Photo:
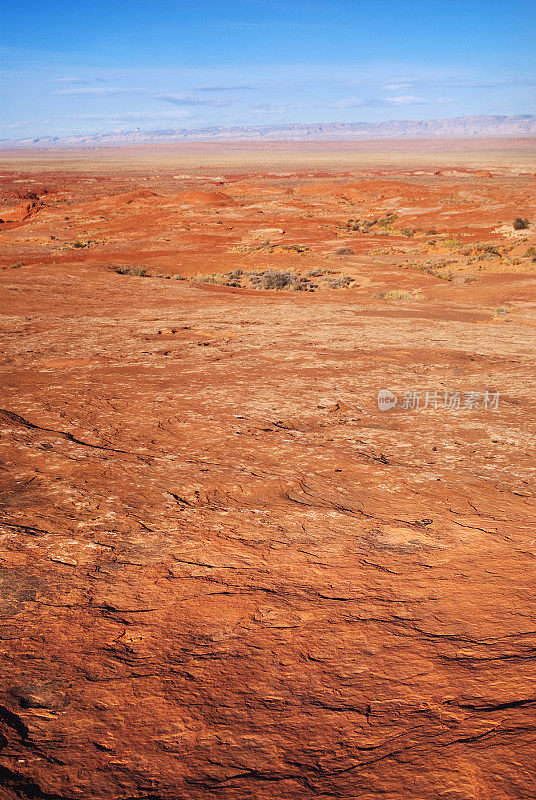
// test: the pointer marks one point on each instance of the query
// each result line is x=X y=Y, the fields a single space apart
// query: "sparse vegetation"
x=278 y=280
x=269 y=248
x=138 y=272
x=79 y=244
x=388 y=219
x=344 y=251
x=339 y=283
x=487 y=248
x=435 y=268
x=364 y=226
x=398 y=294
x=520 y=224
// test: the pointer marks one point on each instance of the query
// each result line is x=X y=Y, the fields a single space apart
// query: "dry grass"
x=278 y=280
x=399 y=294
x=138 y=272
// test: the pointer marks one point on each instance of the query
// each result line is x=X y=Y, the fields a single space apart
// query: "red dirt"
x=225 y=572
x=22 y=212
x=208 y=199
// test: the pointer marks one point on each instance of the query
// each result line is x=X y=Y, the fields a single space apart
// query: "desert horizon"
x=512 y=153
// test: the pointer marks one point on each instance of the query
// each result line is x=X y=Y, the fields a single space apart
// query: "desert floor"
x=225 y=572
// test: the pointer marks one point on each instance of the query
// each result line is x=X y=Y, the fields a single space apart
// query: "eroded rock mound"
x=199 y=198
x=23 y=211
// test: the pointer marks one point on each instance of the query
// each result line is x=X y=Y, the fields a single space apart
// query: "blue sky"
x=82 y=67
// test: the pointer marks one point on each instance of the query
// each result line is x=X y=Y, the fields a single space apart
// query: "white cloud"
x=29 y=123
x=236 y=88
x=185 y=100
x=72 y=81
x=132 y=116
x=100 y=91
x=406 y=100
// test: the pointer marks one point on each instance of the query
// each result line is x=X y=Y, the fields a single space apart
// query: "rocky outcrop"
x=225 y=572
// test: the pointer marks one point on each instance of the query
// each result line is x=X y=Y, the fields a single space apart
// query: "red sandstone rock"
x=224 y=571
x=23 y=211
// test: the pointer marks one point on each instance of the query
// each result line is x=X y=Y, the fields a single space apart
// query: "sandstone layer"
x=225 y=572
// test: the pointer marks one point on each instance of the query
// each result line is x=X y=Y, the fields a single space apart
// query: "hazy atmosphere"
x=70 y=68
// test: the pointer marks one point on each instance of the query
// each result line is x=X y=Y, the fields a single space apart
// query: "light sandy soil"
x=225 y=572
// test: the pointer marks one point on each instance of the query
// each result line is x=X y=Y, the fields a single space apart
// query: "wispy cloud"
x=237 y=88
x=168 y=97
x=397 y=87
x=390 y=102
x=132 y=116
x=28 y=123
x=455 y=82
x=266 y=109
x=406 y=100
x=185 y=100
x=71 y=81
x=101 y=91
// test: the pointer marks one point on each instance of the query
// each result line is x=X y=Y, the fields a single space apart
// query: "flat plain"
x=225 y=571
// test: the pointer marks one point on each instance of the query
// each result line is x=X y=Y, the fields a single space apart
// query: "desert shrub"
x=398 y=294
x=501 y=310
x=214 y=277
x=344 y=251
x=388 y=219
x=277 y=279
x=270 y=248
x=408 y=231
x=139 y=272
x=488 y=248
x=520 y=224
x=296 y=248
x=340 y=283
x=235 y=275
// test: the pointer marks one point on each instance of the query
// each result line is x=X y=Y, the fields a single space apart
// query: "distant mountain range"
x=484 y=125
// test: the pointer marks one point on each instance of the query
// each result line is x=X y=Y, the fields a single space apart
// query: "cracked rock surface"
x=224 y=572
